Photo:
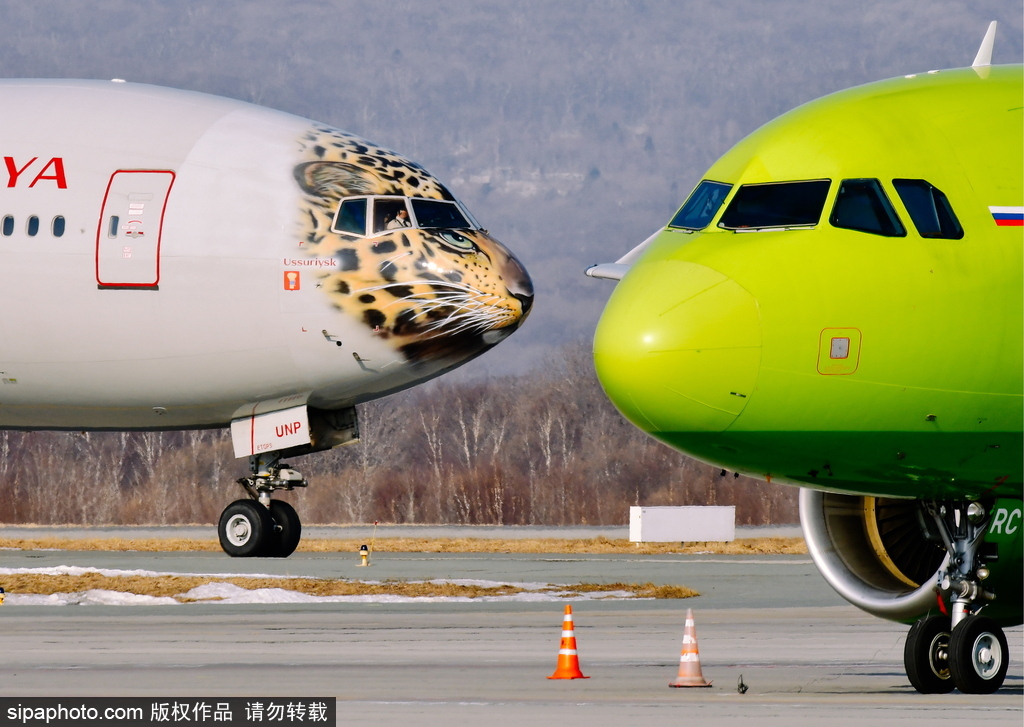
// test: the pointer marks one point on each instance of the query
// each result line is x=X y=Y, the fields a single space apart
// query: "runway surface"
x=807 y=656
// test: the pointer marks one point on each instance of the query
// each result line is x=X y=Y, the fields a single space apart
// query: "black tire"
x=926 y=656
x=287 y=531
x=244 y=529
x=978 y=655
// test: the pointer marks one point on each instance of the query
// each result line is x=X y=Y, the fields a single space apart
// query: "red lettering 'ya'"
x=58 y=173
x=13 y=172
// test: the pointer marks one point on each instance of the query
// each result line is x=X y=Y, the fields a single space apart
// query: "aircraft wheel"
x=926 y=655
x=978 y=655
x=244 y=529
x=287 y=530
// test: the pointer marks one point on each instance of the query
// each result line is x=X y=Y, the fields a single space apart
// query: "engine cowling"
x=877 y=553
x=885 y=555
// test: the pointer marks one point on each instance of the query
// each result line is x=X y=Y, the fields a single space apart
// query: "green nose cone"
x=678 y=348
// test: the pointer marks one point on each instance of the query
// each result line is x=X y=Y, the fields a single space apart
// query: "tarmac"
x=806 y=656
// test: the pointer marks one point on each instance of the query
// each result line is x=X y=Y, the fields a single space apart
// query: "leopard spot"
x=388 y=271
x=374 y=318
x=400 y=291
x=384 y=247
x=342 y=287
x=405 y=322
x=348 y=259
x=366 y=298
x=437 y=314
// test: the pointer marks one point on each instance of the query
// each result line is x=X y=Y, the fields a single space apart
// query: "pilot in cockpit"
x=400 y=220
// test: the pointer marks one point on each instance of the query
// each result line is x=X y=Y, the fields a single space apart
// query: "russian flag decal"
x=1008 y=216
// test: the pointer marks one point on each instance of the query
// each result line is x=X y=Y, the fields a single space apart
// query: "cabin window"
x=861 y=205
x=8 y=226
x=776 y=204
x=929 y=209
x=57 y=226
x=33 y=226
x=351 y=217
x=701 y=206
x=390 y=214
x=431 y=213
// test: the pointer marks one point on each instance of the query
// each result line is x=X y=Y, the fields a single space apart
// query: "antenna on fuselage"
x=984 y=57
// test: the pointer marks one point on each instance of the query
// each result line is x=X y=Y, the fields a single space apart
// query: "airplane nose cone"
x=517 y=281
x=678 y=348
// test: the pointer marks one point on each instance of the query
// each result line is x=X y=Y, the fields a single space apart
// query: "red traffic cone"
x=568 y=662
x=689 y=658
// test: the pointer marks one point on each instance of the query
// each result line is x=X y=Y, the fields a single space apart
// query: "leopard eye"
x=459 y=242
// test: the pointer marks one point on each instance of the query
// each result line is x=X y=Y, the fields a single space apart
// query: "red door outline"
x=102 y=232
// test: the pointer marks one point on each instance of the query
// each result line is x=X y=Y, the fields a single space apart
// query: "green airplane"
x=838 y=306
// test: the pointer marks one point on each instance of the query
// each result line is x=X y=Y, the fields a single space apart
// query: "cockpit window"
x=351 y=217
x=390 y=214
x=929 y=209
x=861 y=205
x=701 y=206
x=776 y=204
x=431 y=213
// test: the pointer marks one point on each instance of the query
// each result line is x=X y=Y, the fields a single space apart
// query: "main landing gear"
x=964 y=649
x=259 y=526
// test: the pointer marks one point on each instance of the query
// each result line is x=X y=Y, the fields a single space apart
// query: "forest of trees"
x=545 y=448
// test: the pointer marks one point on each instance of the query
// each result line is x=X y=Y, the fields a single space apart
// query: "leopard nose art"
x=515 y=278
x=519 y=291
x=518 y=283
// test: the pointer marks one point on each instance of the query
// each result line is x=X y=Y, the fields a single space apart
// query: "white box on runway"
x=682 y=524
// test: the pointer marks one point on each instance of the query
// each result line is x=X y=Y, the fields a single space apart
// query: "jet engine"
x=880 y=554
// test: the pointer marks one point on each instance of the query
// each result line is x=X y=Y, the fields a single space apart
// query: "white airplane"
x=174 y=260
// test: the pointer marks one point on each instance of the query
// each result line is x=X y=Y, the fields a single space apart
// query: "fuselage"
x=839 y=305
x=172 y=259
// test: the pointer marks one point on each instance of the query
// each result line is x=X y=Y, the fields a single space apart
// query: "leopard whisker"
x=482 y=321
x=439 y=301
x=421 y=281
x=457 y=319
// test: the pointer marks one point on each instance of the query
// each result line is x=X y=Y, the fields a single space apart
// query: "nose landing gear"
x=964 y=650
x=926 y=655
x=260 y=526
x=980 y=655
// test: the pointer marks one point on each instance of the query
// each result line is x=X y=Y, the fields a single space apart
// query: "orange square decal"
x=292 y=280
x=839 y=351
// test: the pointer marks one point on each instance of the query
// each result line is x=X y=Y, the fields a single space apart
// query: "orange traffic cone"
x=689 y=659
x=568 y=662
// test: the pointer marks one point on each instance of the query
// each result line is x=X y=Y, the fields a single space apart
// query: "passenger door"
x=130 y=227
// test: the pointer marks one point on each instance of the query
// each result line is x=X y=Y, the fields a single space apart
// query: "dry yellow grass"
x=750 y=546
x=176 y=586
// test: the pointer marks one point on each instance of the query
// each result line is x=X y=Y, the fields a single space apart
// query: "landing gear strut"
x=260 y=526
x=964 y=649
